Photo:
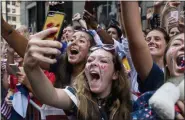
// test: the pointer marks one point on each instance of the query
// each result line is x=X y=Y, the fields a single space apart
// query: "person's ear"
x=115 y=75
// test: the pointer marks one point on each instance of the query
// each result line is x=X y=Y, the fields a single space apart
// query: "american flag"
x=19 y=108
x=6 y=110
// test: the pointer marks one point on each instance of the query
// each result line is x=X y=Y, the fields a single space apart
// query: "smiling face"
x=156 y=43
x=100 y=72
x=175 y=56
x=78 y=48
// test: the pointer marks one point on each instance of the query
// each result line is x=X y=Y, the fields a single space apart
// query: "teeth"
x=93 y=72
x=73 y=49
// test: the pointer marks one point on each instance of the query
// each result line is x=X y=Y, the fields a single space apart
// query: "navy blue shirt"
x=154 y=80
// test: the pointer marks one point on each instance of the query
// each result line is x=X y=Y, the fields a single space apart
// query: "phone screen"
x=54 y=19
x=14 y=68
x=175 y=14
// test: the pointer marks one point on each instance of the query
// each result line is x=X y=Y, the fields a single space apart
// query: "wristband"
x=79 y=19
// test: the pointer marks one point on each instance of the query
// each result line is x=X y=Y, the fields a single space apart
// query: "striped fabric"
x=19 y=107
x=6 y=110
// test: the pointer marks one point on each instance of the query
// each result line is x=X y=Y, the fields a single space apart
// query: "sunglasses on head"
x=107 y=47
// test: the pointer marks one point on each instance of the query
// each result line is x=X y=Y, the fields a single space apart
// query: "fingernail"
x=59 y=52
x=60 y=45
x=56 y=28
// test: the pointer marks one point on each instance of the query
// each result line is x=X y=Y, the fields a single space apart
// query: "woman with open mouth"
x=69 y=64
x=174 y=57
x=150 y=76
x=101 y=91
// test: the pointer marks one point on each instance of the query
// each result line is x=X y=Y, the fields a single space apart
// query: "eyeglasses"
x=107 y=47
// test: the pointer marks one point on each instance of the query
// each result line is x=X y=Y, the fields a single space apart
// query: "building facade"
x=33 y=14
x=11 y=12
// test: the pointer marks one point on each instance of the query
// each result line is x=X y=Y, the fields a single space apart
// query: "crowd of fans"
x=98 y=74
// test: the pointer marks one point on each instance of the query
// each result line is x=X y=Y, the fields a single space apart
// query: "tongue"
x=181 y=61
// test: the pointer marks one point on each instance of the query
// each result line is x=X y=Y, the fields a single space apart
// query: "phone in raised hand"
x=14 y=68
x=175 y=15
x=54 y=19
x=89 y=6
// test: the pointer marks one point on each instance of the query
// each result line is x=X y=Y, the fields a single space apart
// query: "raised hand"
x=158 y=3
x=8 y=99
x=10 y=50
x=22 y=78
x=181 y=115
x=174 y=3
x=37 y=49
x=76 y=17
x=90 y=20
x=172 y=22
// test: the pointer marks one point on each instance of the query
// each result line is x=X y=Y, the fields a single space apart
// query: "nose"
x=151 y=41
x=66 y=32
x=182 y=47
x=94 y=64
x=74 y=42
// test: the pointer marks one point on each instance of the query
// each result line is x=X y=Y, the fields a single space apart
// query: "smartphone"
x=175 y=14
x=14 y=68
x=89 y=6
x=54 y=19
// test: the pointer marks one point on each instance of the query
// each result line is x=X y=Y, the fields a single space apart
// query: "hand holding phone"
x=175 y=15
x=14 y=68
x=89 y=6
x=89 y=16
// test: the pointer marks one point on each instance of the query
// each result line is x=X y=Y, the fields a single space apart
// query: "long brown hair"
x=121 y=105
x=65 y=69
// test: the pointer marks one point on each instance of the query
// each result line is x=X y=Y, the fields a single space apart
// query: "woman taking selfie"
x=100 y=91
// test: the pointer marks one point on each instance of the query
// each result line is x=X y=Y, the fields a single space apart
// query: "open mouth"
x=180 y=61
x=95 y=75
x=74 y=51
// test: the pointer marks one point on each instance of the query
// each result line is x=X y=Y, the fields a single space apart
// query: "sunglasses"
x=107 y=47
